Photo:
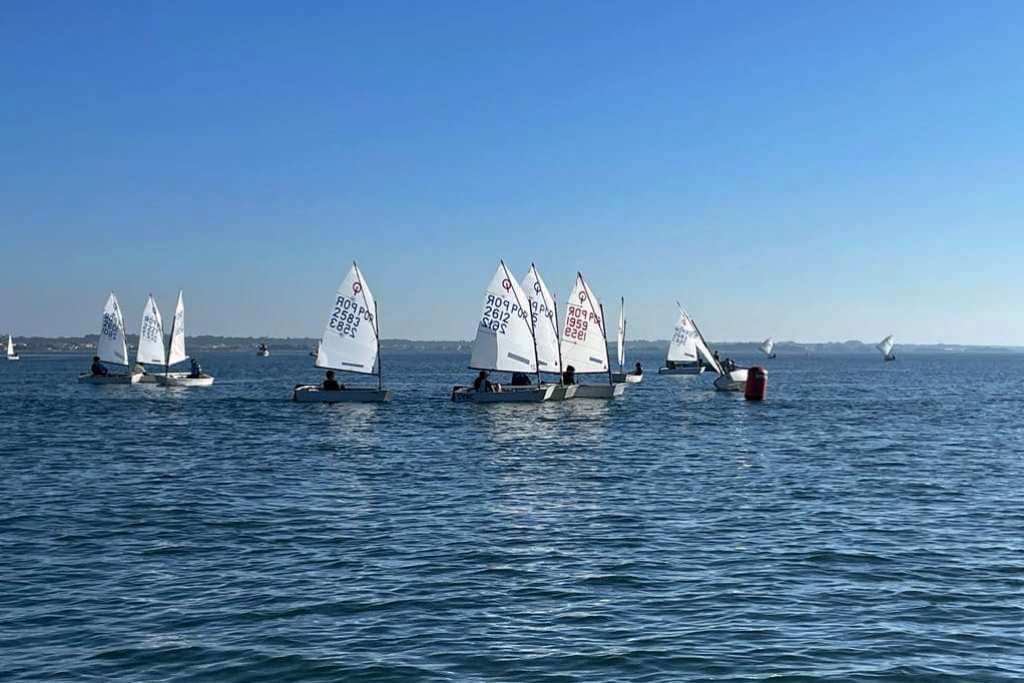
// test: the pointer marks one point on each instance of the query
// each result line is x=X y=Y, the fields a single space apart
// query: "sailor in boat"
x=519 y=379
x=98 y=369
x=330 y=383
x=569 y=376
x=197 y=370
x=638 y=369
x=481 y=383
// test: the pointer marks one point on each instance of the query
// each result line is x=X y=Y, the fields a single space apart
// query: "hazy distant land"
x=204 y=343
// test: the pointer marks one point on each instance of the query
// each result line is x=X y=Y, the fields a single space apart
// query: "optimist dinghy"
x=544 y=317
x=350 y=343
x=176 y=354
x=262 y=351
x=620 y=347
x=682 y=357
x=585 y=343
x=151 y=342
x=768 y=347
x=112 y=347
x=505 y=342
x=886 y=346
x=11 y=353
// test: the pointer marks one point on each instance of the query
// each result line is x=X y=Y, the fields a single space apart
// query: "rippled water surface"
x=864 y=523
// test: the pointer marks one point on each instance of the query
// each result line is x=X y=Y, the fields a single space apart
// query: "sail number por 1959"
x=577 y=322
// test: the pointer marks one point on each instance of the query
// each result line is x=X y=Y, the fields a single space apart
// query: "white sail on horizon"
x=350 y=338
x=767 y=346
x=10 y=345
x=621 y=337
x=886 y=346
x=584 y=345
x=504 y=335
x=542 y=309
x=112 y=346
x=151 y=335
x=176 y=352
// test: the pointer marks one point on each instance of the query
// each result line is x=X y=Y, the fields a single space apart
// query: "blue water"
x=864 y=524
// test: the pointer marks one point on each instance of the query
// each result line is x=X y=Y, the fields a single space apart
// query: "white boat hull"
x=13 y=358
x=182 y=379
x=89 y=378
x=311 y=393
x=599 y=390
x=505 y=394
x=682 y=370
x=889 y=358
x=562 y=392
x=732 y=381
x=263 y=354
x=627 y=378
x=154 y=378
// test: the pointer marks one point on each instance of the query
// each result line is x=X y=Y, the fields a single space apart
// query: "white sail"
x=349 y=341
x=584 y=345
x=10 y=346
x=621 y=338
x=886 y=345
x=708 y=357
x=683 y=347
x=542 y=307
x=767 y=346
x=112 y=346
x=151 y=335
x=176 y=353
x=504 y=335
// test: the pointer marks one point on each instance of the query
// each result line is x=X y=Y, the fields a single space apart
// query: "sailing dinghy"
x=886 y=346
x=505 y=342
x=682 y=357
x=112 y=347
x=176 y=354
x=622 y=375
x=350 y=343
x=151 y=342
x=768 y=347
x=727 y=380
x=262 y=351
x=11 y=353
x=544 y=317
x=585 y=342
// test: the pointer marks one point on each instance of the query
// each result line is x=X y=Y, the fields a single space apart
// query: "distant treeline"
x=248 y=344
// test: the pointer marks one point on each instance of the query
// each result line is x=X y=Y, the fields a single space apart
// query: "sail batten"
x=349 y=341
x=583 y=344
x=505 y=332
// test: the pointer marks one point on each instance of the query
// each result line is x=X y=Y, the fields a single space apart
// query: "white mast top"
x=504 y=336
x=583 y=342
x=349 y=341
x=112 y=346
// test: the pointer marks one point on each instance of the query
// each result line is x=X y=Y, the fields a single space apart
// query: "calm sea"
x=865 y=523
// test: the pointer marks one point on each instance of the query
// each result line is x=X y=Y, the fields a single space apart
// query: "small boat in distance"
x=886 y=346
x=350 y=343
x=585 y=341
x=544 y=318
x=505 y=342
x=176 y=354
x=768 y=347
x=262 y=350
x=111 y=347
x=622 y=375
x=11 y=353
x=682 y=356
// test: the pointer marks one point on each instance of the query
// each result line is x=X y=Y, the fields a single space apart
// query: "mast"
x=703 y=341
x=376 y=331
x=558 y=336
x=167 y=357
x=604 y=333
x=622 y=318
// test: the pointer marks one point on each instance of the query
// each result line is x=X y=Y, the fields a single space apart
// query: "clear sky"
x=807 y=170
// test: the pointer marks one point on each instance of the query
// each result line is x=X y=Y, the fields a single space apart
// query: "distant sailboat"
x=112 y=347
x=262 y=350
x=585 y=341
x=886 y=346
x=768 y=347
x=620 y=347
x=544 y=317
x=682 y=356
x=350 y=343
x=11 y=353
x=176 y=354
x=151 y=341
x=505 y=342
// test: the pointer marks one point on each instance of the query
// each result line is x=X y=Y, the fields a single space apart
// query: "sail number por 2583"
x=347 y=315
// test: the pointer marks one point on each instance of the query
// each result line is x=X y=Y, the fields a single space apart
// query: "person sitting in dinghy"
x=98 y=369
x=569 y=376
x=331 y=384
x=520 y=380
x=197 y=370
x=481 y=383
x=638 y=369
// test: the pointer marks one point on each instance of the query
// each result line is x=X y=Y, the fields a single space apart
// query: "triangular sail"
x=349 y=341
x=583 y=339
x=151 y=335
x=767 y=346
x=176 y=353
x=504 y=335
x=10 y=345
x=112 y=346
x=886 y=345
x=683 y=347
x=621 y=338
x=542 y=306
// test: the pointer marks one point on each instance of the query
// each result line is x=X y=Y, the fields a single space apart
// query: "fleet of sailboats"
x=11 y=353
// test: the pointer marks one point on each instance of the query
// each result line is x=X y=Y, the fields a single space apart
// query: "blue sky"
x=807 y=170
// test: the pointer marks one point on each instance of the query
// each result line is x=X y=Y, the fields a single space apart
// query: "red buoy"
x=757 y=384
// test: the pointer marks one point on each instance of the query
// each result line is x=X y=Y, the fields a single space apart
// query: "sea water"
x=863 y=523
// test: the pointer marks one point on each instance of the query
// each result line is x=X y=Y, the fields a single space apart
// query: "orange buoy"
x=757 y=384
